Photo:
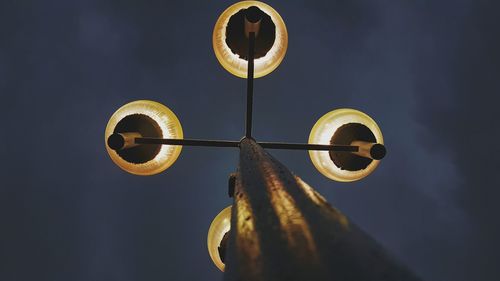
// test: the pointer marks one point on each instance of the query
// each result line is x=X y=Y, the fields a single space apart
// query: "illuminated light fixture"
x=230 y=39
x=137 y=119
x=249 y=40
x=347 y=127
x=217 y=238
x=145 y=137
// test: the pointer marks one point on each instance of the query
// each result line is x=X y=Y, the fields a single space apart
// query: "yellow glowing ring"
x=220 y=225
x=322 y=133
x=170 y=128
x=232 y=62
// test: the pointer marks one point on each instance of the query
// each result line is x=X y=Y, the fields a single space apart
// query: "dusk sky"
x=427 y=71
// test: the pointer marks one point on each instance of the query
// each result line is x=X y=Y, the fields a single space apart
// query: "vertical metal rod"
x=250 y=73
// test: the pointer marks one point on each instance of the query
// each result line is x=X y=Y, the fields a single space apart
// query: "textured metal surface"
x=282 y=229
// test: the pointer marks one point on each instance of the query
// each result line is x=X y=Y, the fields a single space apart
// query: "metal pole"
x=188 y=142
x=283 y=230
x=119 y=141
x=250 y=72
x=306 y=146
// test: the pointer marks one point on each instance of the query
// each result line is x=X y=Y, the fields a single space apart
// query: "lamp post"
x=278 y=228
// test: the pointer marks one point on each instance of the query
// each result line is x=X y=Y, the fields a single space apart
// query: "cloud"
x=459 y=86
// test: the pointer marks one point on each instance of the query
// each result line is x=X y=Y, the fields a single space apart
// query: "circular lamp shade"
x=218 y=229
x=341 y=127
x=150 y=119
x=230 y=43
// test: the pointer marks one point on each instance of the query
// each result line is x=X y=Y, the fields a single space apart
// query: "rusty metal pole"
x=283 y=230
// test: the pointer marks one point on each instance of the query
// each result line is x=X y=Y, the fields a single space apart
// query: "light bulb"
x=218 y=229
x=344 y=127
x=229 y=37
x=149 y=119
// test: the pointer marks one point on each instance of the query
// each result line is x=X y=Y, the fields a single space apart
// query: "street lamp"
x=217 y=237
x=231 y=48
x=136 y=132
x=277 y=217
x=134 y=121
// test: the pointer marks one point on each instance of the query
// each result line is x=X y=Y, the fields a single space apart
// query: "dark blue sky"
x=427 y=71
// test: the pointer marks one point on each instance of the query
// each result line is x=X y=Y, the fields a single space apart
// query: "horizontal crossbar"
x=269 y=145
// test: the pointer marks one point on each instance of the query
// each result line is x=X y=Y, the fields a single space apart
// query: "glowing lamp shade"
x=323 y=132
x=233 y=62
x=150 y=119
x=219 y=227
